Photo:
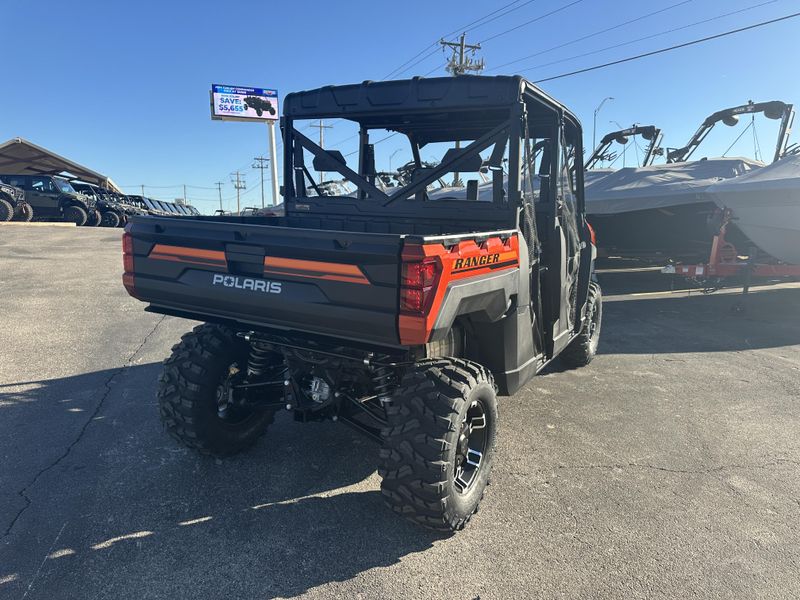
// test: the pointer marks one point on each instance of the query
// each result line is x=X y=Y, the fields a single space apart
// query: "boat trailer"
x=725 y=262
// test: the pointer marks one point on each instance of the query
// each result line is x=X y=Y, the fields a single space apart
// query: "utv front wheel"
x=75 y=214
x=109 y=219
x=192 y=393
x=6 y=210
x=94 y=219
x=24 y=212
x=583 y=348
x=439 y=445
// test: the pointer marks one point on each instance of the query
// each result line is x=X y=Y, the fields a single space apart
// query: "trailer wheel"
x=6 y=210
x=191 y=393
x=24 y=212
x=109 y=219
x=583 y=348
x=75 y=214
x=439 y=445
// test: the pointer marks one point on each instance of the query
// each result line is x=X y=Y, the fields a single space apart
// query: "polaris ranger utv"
x=49 y=196
x=402 y=315
x=13 y=205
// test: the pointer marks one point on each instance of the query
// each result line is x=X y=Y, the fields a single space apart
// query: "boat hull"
x=766 y=207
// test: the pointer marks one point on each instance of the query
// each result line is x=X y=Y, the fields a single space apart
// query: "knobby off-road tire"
x=422 y=444
x=94 y=219
x=583 y=348
x=109 y=219
x=188 y=393
x=24 y=212
x=6 y=210
x=75 y=214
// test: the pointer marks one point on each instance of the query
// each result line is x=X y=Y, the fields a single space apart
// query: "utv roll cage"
x=774 y=109
x=651 y=133
x=482 y=114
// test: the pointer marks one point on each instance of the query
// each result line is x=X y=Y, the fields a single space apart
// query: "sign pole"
x=273 y=162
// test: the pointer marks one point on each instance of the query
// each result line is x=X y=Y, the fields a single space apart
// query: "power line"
x=534 y=20
x=591 y=35
x=670 y=48
x=648 y=37
x=435 y=45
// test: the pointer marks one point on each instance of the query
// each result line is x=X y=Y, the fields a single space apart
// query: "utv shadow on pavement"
x=116 y=504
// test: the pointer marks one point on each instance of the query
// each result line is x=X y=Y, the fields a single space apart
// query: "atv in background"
x=52 y=197
x=111 y=212
x=13 y=205
x=260 y=105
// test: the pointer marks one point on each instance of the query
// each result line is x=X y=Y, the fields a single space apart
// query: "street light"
x=594 y=122
x=391 y=156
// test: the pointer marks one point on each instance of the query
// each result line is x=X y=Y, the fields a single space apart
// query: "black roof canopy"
x=436 y=109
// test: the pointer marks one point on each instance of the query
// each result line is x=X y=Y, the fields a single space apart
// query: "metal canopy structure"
x=19 y=156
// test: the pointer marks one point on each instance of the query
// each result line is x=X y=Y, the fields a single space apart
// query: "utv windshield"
x=64 y=186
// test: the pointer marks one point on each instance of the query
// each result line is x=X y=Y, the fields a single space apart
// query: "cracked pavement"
x=670 y=467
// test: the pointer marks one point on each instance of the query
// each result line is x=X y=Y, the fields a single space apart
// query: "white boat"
x=766 y=207
x=660 y=209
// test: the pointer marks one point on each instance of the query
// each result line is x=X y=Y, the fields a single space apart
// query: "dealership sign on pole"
x=239 y=103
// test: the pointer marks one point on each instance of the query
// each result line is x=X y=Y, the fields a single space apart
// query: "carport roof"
x=19 y=156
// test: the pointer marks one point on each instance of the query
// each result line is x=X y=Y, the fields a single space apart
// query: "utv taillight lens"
x=418 y=285
x=127 y=252
x=128 y=279
x=592 y=234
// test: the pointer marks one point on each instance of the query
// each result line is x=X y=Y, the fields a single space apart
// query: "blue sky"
x=123 y=87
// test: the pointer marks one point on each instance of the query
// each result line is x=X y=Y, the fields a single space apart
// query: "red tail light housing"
x=592 y=234
x=418 y=280
x=128 y=279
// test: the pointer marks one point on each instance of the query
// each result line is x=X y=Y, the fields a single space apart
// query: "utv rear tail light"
x=592 y=234
x=418 y=285
x=128 y=279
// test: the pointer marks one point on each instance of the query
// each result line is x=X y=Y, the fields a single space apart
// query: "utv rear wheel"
x=109 y=219
x=439 y=445
x=75 y=214
x=24 y=212
x=192 y=393
x=583 y=348
x=6 y=210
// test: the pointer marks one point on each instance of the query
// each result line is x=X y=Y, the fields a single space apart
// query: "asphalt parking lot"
x=668 y=468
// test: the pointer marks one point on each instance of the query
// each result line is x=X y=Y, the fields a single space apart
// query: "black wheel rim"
x=471 y=447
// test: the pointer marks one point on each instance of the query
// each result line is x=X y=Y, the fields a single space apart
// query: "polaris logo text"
x=247 y=283
x=476 y=261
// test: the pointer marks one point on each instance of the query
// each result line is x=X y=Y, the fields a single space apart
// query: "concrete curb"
x=36 y=224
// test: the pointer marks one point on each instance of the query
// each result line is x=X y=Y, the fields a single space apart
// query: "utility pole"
x=239 y=184
x=261 y=164
x=322 y=127
x=184 y=193
x=142 y=190
x=460 y=64
x=219 y=189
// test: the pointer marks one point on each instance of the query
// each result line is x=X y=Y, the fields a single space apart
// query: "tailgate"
x=328 y=282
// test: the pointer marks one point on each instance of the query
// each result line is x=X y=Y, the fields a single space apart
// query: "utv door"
x=557 y=216
x=43 y=195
